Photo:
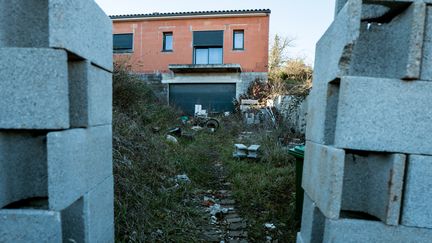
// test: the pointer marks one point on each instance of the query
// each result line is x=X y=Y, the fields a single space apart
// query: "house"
x=207 y=57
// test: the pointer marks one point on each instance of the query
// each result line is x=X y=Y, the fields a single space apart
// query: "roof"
x=196 y=13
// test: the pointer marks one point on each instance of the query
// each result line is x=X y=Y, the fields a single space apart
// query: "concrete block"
x=323 y=171
x=417 y=209
x=73 y=222
x=321 y=123
x=373 y=184
x=69 y=28
x=354 y=231
x=426 y=67
x=299 y=238
x=382 y=51
x=312 y=224
x=24 y=24
x=34 y=89
x=334 y=49
x=90 y=94
x=99 y=212
x=22 y=226
x=23 y=167
x=78 y=159
x=386 y=115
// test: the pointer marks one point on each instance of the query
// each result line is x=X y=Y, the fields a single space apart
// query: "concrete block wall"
x=367 y=172
x=56 y=182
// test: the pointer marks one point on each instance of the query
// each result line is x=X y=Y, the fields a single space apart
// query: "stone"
x=299 y=238
x=78 y=160
x=22 y=226
x=398 y=115
x=34 y=89
x=234 y=220
x=417 y=210
x=381 y=51
x=354 y=230
x=23 y=166
x=237 y=226
x=99 y=212
x=90 y=94
x=237 y=233
x=312 y=223
x=324 y=168
x=69 y=28
x=373 y=184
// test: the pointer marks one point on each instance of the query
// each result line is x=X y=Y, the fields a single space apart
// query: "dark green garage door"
x=212 y=97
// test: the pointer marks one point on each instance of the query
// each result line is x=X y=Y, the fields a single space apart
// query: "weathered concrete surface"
x=417 y=209
x=354 y=231
x=69 y=28
x=373 y=184
x=23 y=226
x=381 y=51
x=312 y=228
x=78 y=160
x=426 y=68
x=99 y=212
x=90 y=94
x=23 y=166
x=34 y=93
x=322 y=180
x=73 y=222
x=398 y=115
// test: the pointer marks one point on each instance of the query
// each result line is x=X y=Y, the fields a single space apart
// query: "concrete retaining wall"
x=56 y=182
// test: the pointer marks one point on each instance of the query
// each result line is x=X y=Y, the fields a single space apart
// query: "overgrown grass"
x=151 y=206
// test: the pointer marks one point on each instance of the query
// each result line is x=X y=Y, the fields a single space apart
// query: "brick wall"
x=56 y=180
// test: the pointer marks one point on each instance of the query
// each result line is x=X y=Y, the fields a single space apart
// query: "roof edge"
x=194 y=13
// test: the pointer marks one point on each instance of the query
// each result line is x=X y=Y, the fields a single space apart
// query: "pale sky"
x=303 y=20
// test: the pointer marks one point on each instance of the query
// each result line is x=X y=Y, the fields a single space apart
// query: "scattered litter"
x=270 y=226
x=253 y=151
x=171 y=139
x=197 y=128
x=213 y=219
x=199 y=112
x=156 y=129
x=269 y=239
x=212 y=124
x=175 y=131
x=217 y=209
x=249 y=102
x=227 y=113
x=208 y=201
x=240 y=151
x=183 y=178
x=184 y=119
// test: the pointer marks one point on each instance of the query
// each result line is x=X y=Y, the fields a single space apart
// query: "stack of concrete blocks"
x=56 y=182
x=368 y=164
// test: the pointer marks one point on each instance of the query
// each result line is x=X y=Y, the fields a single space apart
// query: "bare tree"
x=278 y=51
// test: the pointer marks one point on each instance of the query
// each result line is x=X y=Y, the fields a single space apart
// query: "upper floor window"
x=208 y=47
x=122 y=43
x=167 y=41
x=238 y=40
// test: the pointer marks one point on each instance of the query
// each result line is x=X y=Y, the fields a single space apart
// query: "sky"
x=304 y=21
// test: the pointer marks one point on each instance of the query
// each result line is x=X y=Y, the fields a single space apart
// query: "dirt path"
x=218 y=205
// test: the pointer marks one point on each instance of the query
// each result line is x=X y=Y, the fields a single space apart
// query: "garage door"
x=212 y=97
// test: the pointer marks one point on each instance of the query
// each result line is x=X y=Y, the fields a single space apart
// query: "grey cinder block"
x=24 y=24
x=389 y=115
x=69 y=28
x=78 y=160
x=312 y=223
x=22 y=226
x=99 y=212
x=73 y=222
x=323 y=171
x=23 y=167
x=90 y=94
x=426 y=68
x=355 y=230
x=373 y=184
x=34 y=89
x=334 y=49
x=382 y=51
x=417 y=210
